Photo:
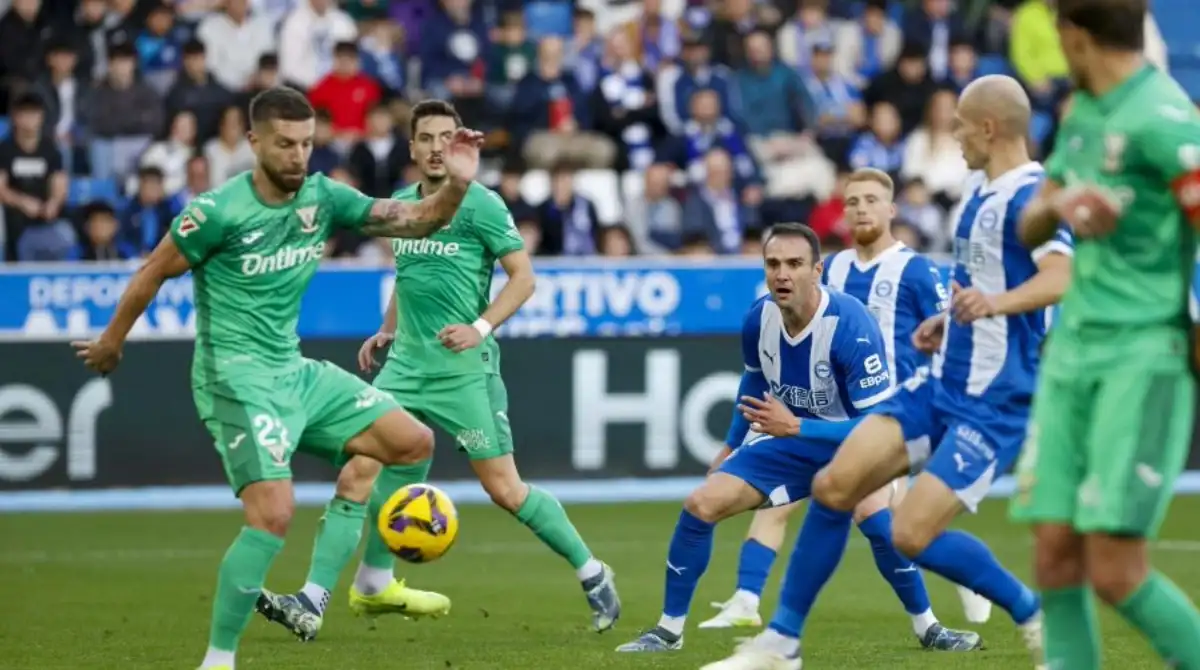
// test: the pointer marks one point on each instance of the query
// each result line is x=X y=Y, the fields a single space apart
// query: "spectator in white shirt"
x=252 y=35
x=307 y=38
x=932 y=154
x=229 y=152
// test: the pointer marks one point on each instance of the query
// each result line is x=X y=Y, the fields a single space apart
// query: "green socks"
x=545 y=516
x=1166 y=616
x=239 y=581
x=391 y=478
x=1072 y=635
x=338 y=534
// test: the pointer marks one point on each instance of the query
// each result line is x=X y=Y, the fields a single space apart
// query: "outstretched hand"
x=462 y=155
x=98 y=355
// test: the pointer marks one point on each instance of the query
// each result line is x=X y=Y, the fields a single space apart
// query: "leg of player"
x=763 y=540
x=721 y=496
x=375 y=580
x=268 y=507
x=871 y=457
x=540 y=512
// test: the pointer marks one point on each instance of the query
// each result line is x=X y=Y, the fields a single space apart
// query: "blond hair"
x=873 y=175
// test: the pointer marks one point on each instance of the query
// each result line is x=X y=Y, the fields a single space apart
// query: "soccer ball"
x=418 y=523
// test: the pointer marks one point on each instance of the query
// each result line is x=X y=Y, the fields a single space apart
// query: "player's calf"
x=872 y=456
x=1058 y=557
x=759 y=550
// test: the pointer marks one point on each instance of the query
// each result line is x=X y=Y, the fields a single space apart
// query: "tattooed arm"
x=393 y=218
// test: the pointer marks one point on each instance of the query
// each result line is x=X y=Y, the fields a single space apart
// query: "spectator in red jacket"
x=346 y=93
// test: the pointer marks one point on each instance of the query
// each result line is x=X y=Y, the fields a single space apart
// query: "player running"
x=1112 y=420
x=444 y=367
x=900 y=289
x=964 y=425
x=252 y=246
x=809 y=353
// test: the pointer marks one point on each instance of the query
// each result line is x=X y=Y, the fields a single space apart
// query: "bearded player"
x=444 y=366
x=252 y=246
x=1113 y=415
x=901 y=289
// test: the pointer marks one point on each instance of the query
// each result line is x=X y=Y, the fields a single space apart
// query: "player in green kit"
x=1113 y=412
x=444 y=367
x=252 y=246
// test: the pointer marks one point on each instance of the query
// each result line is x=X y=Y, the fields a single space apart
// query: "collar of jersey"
x=793 y=341
x=1109 y=101
x=1009 y=181
x=862 y=266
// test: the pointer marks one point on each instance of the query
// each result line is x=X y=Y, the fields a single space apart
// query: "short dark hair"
x=28 y=102
x=345 y=49
x=280 y=103
x=98 y=207
x=268 y=61
x=150 y=172
x=430 y=108
x=193 y=47
x=796 y=230
x=1113 y=24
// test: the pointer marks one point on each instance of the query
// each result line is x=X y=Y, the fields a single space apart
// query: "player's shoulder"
x=845 y=307
x=409 y=192
x=483 y=198
x=754 y=313
x=222 y=204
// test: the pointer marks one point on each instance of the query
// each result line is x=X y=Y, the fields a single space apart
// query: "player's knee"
x=269 y=506
x=413 y=445
x=1057 y=557
x=1116 y=566
x=703 y=506
x=831 y=492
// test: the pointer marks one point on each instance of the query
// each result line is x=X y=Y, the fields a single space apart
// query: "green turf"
x=132 y=590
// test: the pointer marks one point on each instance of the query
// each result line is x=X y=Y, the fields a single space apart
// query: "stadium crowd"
x=614 y=128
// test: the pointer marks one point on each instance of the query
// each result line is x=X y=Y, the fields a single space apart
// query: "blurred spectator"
x=868 y=47
x=86 y=36
x=915 y=205
x=677 y=84
x=192 y=12
x=325 y=157
x=20 y=46
x=714 y=209
x=199 y=180
x=991 y=35
x=550 y=117
x=33 y=187
x=544 y=17
x=695 y=245
x=654 y=38
x=377 y=161
x=453 y=48
x=908 y=235
x=709 y=129
x=62 y=93
x=229 y=152
x=568 y=221
x=616 y=242
x=964 y=66
x=266 y=76
x=908 y=86
x=123 y=22
x=254 y=36
x=585 y=50
x=935 y=26
x=510 y=58
x=737 y=19
x=346 y=93
x=306 y=40
x=148 y=214
x=837 y=107
x=382 y=46
x=198 y=92
x=1035 y=51
x=531 y=237
x=510 y=191
x=171 y=153
x=828 y=218
x=625 y=108
x=933 y=155
x=159 y=47
x=365 y=10
x=798 y=36
x=752 y=243
x=123 y=115
x=100 y=241
x=656 y=219
x=882 y=145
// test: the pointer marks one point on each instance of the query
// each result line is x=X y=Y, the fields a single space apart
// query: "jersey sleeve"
x=929 y=294
x=751 y=327
x=1171 y=146
x=495 y=225
x=198 y=231
x=350 y=206
x=861 y=358
x=753 y=382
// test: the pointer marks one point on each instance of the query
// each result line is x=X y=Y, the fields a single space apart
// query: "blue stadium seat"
x=1040 y=127
x=993 y=65
x=1189 y=79
x=86 y=189
x=5 y=126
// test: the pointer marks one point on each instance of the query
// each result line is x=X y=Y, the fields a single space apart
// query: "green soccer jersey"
x=1136 y=141
x=446 y=279
x=251 y=263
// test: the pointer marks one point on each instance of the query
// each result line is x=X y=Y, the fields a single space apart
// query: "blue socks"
x=818 y=550
x=754 y=565
x=687 y=559
x=965 y=560
x=901 y=573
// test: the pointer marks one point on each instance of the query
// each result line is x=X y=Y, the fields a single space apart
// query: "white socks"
x=589 y=570
x=922 y=622
x=216 y=658
x=316 y=595
x=672 y=624
x=370 y=581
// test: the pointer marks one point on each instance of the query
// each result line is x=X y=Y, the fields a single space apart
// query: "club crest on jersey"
x=308 y=219
x=823 y=370
x=1114 y=152
x=884 y=288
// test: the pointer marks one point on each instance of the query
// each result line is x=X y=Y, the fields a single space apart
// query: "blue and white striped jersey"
x=834 y=370
x=900 y=288
x=995 y=358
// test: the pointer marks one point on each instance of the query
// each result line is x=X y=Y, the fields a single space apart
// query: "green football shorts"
x=259 y=421
x=1111 y=431
x=472 y=408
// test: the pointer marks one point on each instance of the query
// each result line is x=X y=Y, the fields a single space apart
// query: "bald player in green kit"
x=1113 y=412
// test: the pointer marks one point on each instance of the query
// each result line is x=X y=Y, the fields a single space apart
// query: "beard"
x=286 y=183
x=864 y=235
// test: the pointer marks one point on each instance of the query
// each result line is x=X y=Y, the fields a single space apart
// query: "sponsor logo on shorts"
x=472 y=440
x=369 y=397
x=284 y=259
x=424 y=247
